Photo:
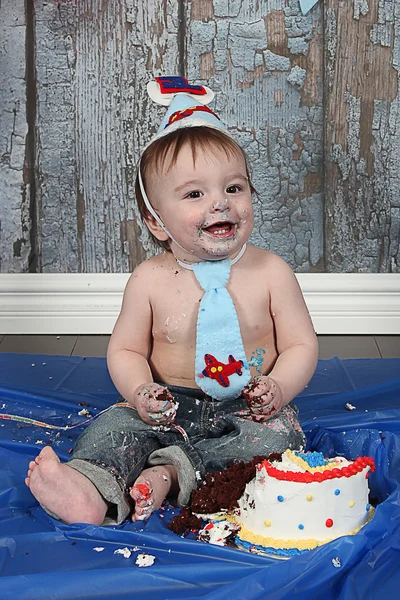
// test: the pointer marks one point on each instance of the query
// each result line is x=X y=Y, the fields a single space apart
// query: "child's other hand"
x=263 y=397
x=155 y=404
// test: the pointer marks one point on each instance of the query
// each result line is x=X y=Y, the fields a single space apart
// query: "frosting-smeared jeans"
x=206 y=436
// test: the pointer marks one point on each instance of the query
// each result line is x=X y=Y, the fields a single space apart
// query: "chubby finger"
x=161 y=418
x=262 y=401
x=259 y=388
x=270 y=410
x=265 y=387
x=157 y=406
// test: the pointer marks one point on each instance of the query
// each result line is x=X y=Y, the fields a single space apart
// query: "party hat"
x=187 y=105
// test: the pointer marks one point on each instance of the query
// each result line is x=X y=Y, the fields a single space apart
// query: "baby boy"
x=212 y=344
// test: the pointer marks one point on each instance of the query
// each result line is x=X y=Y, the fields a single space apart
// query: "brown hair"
x=155 y=155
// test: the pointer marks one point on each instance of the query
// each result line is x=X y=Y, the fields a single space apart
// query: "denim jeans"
x=206 y=436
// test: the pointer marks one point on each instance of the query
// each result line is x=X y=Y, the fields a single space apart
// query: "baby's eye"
x=195 y=194
x=233 y=189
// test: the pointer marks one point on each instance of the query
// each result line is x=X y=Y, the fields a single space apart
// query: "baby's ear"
x=155 y=228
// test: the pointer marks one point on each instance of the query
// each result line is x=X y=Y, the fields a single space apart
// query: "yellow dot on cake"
x=351 y=503
x=267 y=523
x=309 y=497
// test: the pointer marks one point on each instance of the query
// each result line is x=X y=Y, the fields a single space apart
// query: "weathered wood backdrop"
x=313 y=99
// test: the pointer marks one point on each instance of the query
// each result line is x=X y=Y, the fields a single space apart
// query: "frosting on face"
x=205 y=205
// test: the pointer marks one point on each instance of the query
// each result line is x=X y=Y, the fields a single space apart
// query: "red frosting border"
x=356 y=467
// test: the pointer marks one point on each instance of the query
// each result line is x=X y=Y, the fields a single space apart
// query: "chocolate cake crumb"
x=274 y=457
x=230 y=540
x=220 y=491
x=185 y=522
x=251 y=400
x=164 y=394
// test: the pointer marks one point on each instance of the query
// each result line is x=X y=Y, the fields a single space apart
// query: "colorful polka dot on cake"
x=329 y=522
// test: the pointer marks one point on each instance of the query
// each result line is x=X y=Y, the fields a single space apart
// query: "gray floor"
x=343 y=346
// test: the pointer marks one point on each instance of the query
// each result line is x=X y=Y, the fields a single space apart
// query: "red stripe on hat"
x=187 y=112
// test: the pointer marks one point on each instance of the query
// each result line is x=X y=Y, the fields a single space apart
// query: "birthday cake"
x=294 y=503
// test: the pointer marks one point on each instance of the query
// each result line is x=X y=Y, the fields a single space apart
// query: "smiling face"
x=204 y=201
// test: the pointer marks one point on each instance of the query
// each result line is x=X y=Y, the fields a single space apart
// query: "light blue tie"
x=221 y=368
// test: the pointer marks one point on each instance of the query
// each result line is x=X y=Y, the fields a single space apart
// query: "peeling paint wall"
x=93 y=59
x=313 y=99
x=56 y=168
x=264 y=60
x=15 y=244
x=362 y=191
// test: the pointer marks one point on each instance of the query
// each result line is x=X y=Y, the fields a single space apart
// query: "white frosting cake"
x=303 y=501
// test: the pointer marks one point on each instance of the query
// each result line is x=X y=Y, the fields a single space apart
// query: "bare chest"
x=175 y=311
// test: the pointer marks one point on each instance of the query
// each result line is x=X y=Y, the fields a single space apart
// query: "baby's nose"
x=221 y=206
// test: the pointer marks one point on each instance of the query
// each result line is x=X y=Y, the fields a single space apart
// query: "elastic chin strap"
x=153 y=212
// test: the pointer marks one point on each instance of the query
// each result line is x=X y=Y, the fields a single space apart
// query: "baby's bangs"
x=167 y=148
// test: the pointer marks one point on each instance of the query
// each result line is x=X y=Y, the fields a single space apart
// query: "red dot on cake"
x=329 y=522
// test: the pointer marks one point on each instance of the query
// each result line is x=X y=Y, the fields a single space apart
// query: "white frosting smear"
x=145 y=560
x=124 y=551
x=217 y=532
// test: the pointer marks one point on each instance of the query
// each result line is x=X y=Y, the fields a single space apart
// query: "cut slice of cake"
x=283 y=505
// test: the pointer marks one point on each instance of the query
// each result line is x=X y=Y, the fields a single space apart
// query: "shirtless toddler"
x=169 y=432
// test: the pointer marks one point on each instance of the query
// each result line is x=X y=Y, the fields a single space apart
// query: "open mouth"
x=221 y=230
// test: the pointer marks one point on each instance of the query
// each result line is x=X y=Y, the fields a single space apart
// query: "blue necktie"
x=221 y=368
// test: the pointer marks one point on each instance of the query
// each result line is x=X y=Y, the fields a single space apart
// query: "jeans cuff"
x=187 y=464
x=107 y=485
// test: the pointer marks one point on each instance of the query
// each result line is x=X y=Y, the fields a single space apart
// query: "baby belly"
x=174 y=366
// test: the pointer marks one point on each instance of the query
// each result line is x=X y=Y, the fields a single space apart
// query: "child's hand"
x=155 y=404
x=263 y=397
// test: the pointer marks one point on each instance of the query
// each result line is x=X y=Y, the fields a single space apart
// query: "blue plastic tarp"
x=41 y=558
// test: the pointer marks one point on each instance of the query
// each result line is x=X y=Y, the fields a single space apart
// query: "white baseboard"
x=89 y=303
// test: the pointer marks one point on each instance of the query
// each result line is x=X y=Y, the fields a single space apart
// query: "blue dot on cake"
x=280 y=498
x=337 y=492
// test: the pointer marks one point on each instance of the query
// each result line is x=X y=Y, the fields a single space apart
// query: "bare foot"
x=64 y=491
x=151 y=488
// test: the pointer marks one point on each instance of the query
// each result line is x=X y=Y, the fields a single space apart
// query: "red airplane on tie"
x=220 y=371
